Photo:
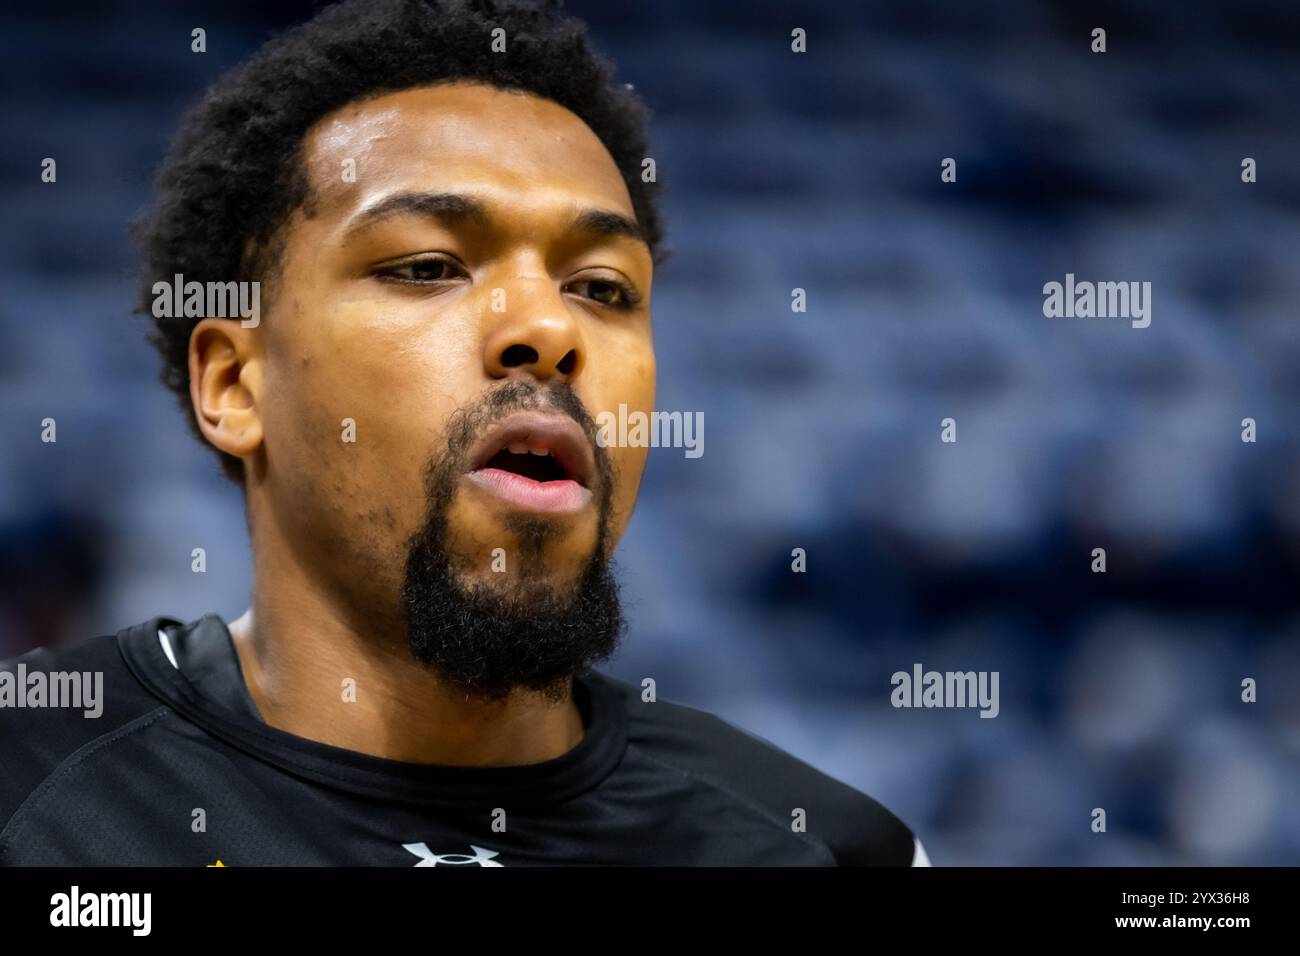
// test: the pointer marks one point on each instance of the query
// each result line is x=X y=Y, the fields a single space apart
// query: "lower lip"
x=554 y=497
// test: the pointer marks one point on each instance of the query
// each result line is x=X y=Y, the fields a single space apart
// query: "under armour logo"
x=480 y=856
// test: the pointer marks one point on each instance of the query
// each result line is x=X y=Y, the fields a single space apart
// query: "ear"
x=225 y=383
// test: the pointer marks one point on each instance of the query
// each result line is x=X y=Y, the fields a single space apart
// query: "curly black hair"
x=235 y=171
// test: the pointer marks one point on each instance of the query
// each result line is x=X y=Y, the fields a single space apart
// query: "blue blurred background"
x=819 y=171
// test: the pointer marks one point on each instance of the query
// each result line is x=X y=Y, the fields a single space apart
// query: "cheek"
x=356 y=418
x=630 y=463
x=622 y=371
x=631 y=384
x=303 y=425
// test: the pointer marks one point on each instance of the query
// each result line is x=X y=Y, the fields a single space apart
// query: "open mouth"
x=536 y=462
x=538 y=465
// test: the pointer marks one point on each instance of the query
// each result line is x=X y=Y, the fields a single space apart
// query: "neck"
x=318 y=670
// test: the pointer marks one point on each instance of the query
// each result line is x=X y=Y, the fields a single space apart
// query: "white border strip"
x=919 y=856
x=167 y=648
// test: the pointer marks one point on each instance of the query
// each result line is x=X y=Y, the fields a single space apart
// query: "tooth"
x=540 y=451
x=518 y=448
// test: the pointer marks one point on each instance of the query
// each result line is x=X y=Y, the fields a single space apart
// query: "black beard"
x=488 y=643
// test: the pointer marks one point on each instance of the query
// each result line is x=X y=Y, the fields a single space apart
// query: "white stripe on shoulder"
x=919 y=857
x=167 y=648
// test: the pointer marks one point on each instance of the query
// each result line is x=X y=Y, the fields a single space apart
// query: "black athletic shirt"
x=180 y=769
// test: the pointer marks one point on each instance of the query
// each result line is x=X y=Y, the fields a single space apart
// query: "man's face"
x=457 y=281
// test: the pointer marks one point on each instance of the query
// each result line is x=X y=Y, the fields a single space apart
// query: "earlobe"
x=225 y=379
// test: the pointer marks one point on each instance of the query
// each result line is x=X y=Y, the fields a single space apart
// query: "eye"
x=422 y=270
x=613 y=293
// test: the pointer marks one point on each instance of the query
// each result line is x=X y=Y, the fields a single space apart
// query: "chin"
x=506 y=545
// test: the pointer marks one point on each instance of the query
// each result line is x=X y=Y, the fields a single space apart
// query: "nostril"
x=518 y=355
x=566 y=364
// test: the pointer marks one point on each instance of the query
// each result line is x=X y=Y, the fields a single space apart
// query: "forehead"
x=507 y=147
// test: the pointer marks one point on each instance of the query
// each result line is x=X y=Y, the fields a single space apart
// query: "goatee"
x=486 y=641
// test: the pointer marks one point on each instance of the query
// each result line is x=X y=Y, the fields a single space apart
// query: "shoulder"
x=55 y=703
x=858 y=830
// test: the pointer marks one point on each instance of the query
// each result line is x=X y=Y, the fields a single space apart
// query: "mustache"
x=468 y=422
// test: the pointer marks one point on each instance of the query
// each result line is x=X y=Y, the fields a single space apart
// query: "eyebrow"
x=612 y=225
x=453 y=209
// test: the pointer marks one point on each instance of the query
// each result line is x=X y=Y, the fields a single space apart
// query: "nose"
x=535 y=335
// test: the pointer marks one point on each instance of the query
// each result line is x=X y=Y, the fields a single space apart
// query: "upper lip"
x=558 y=434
